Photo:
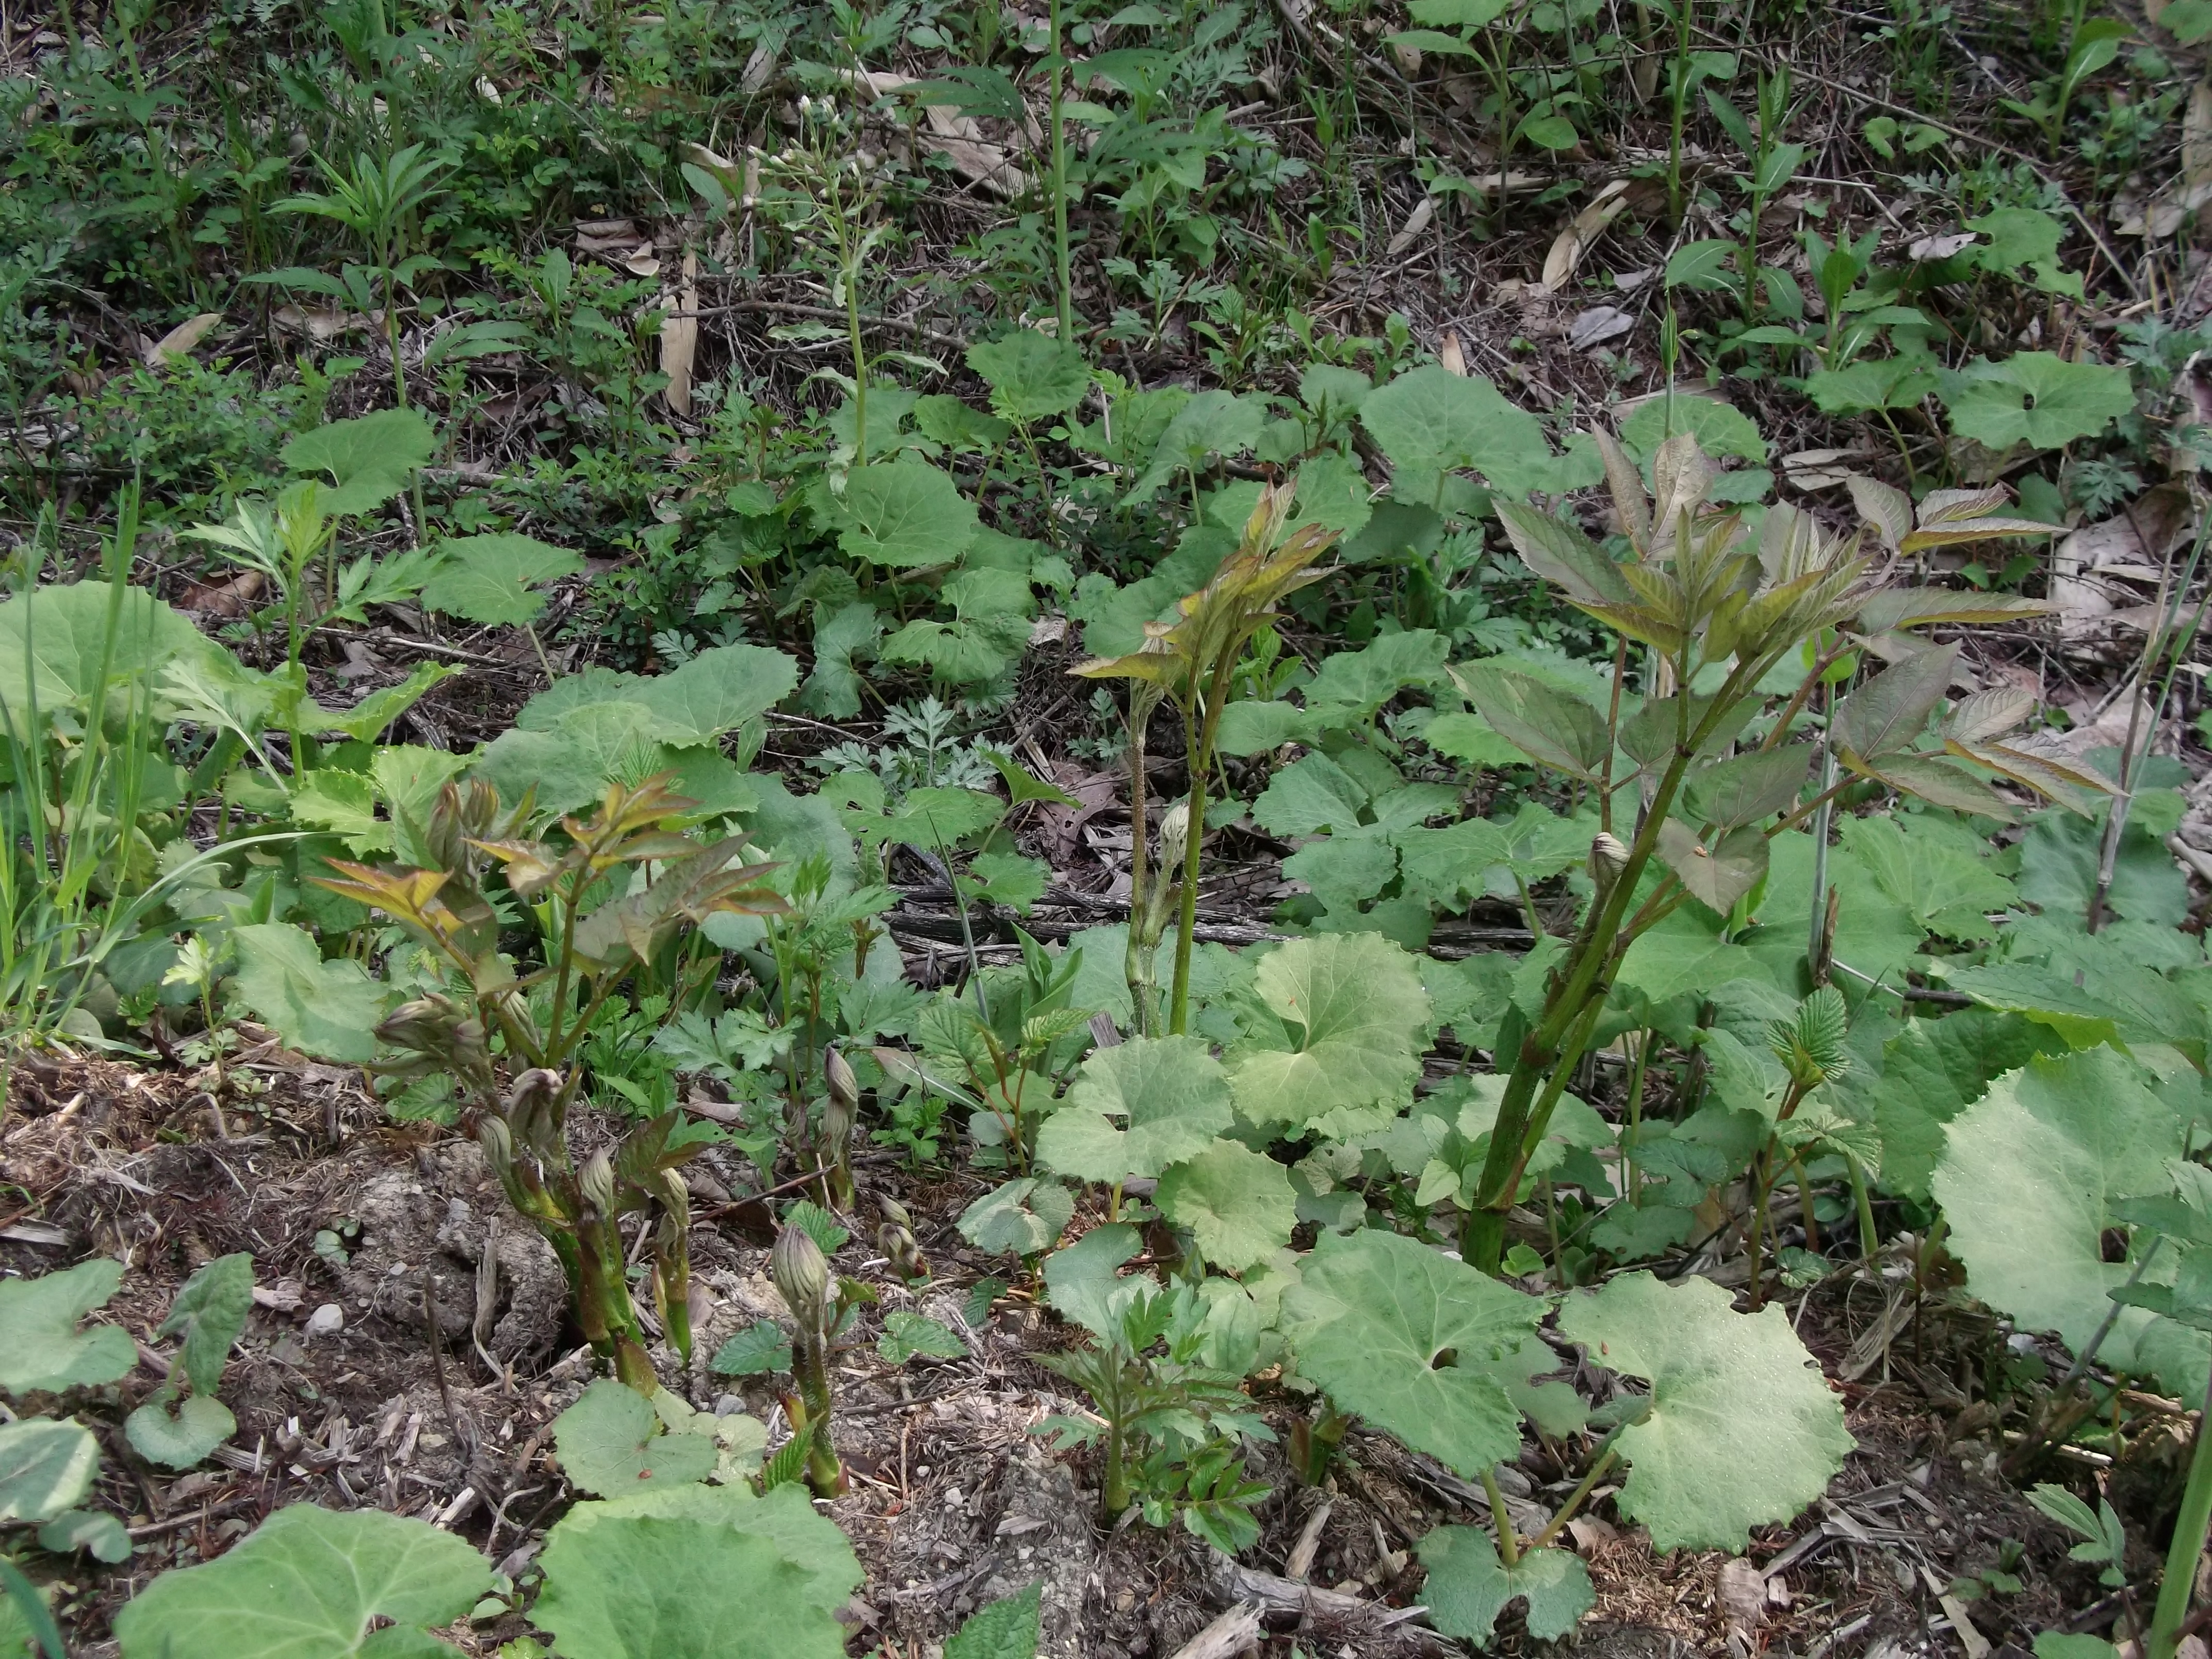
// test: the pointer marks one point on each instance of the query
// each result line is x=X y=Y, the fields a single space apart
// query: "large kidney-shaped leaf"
x=1469 y=1586
x=1135 y=1108
x=569 y=763
x=310 y=1584
x=54 y=640
x=492 y=580
x=1021 y=1217
x=2028 y=1179
x=1931 y=1071
x=1346 y=1051
x=2035 y=397
x=717 y=691
x=1237 y=1203
x=904 y=513
x=1741 y=1429
x=612 y=1442
x=1430 y=420
x=180 y=1438
x=41 y=1348
x=1403 y=1336
x=697 y=1572
x=46 y=1466
x=364 y=462
x=1031 y=375
x=325 y=1008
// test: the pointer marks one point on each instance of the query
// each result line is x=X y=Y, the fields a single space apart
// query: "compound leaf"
x=906 y=1334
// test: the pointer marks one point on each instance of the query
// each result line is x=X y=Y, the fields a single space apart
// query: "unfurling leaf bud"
x=676 y=1198
x=844 y=1087
x=801 y=1274
x=894 y=1211
x=1608 y=859
x=1174 y=838
x=596 y=1181
x=498 y=1144
x=900 y=1254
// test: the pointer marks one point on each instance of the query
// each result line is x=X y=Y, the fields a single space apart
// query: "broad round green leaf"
x=329 y=1009
x=1931 y=1071
x=40 y=1346
x=2035 y=397
x=903 y=513
x=612 y=1442
x=1346 y=1051
x=1137 y=1108
x=54 y=640
x=211 y=1309
x=1403 y=1336
x=491 y=579
x=46 y=1467
x=1032 y=376
x=568 y=763
x=364 y=462
x=1468 y=1586
x=2028 y=1179
x=1430 y=420
x=697 y=1572
x=309 y=1584
x=1741 y=1431
x=1237 y=1203
x=178 y=1440
x=1020 y=1218
x=716 y=692
x=95 y=1531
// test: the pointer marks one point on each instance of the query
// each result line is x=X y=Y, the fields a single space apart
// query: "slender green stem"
x=1508 y=1547
x=1053 y=81
x=1606 y=1456
x=2189 y=1528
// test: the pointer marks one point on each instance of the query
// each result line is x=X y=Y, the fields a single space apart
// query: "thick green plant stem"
x=1508 y=1547
x=1200 y=751
x=2189 y=1528
x=1054 y=84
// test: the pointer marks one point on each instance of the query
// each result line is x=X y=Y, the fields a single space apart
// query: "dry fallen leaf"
x=642 y=261
x=318 y=325
x=1818 y=469
x=1939 y=247
x=1450 y=353
x=959 y=138
x=1741 y=1592
x=1598 y=325
x=1582 y=233
x=1416 y=222
x=679 y=337
x=176 y=344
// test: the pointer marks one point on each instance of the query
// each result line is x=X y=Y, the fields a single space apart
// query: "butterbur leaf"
x=1031 y=375
x=1430 y=420
x=180 y=1437
x=716 y=692
x=904 y=513
x=699 y=1572
x=492 y=581
x=310 y=1584
x=363 y=462
x=1020 y=1218
x=906 y=1334
x=1398 y=1334
x=612 y=1442
x=1741 y=1429
x=1719 y=875
x=1890 y=710
x=1237 y=1203
x=1137 y=1108
x=1468 y=1586
x=46 y=1467
x=211 y=1311
x=97 y=1533
x=1555 y=727
x=1347 y=1050
x=1006 y=1629
x=41 y=1348
x=2035 y=397
x=1084 y=1281
x=2029 y=1179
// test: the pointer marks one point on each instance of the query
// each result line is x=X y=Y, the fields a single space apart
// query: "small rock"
x=326 y=1321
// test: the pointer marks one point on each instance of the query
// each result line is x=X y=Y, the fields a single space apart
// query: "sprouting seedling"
x=1192 y=661
x=802 y=1276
